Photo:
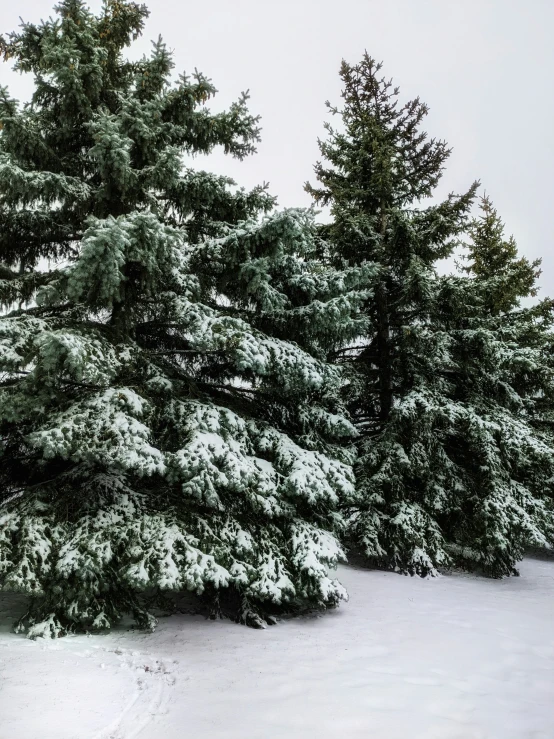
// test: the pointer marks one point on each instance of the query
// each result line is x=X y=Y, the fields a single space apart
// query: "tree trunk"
x=383 y=333
x=119 y=319
x=383 y=352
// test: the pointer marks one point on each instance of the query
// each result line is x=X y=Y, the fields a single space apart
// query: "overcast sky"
x=484 y=67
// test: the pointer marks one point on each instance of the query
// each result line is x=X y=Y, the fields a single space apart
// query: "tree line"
x=200 y=391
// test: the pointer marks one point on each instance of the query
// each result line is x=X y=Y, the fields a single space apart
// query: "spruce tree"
x=494 y=259
x=437 y=457
x=378 y=168
x=504 y=377
x=159 y=428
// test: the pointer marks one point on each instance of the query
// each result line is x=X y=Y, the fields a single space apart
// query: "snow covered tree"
x=167 y=417
x=493 y=258
x=504 y=377
x=378 y=167
x=440 y=471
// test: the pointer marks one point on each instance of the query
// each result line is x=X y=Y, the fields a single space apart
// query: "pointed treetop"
x=494 y=258
x=382 y=156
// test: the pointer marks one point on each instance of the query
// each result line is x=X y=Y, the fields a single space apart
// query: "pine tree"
x=159 y=428
x=494 y=259
x=436 y=469
x=379 y=166
x=504 y=377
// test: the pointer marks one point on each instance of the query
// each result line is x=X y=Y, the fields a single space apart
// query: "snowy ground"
x=458 y=657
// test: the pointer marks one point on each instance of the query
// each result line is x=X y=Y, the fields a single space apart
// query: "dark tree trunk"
x=383 y=352
x=383 y=334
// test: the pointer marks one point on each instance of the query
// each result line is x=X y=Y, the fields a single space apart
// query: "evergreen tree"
x=159 y=428
x=504 y=376
x=434 y=476
x=494 y=259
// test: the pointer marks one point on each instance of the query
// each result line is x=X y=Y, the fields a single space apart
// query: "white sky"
x=484 y=67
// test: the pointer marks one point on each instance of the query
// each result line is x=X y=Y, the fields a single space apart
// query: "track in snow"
x=458 y=657
x=148 y=698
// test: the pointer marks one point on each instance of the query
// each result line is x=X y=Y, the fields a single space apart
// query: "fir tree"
x=436 y=470
x=493 y=258
x=504 y=377
x=159 y=429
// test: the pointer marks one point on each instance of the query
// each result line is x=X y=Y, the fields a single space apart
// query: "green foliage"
x=188 y=377
x=451 y=463
x=495 y=260
x=168 y=419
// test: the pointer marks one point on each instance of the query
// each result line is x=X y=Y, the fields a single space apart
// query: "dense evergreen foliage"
x=200 y=392
x=494 y=262
x=505 y=372
x=448 y=465
x=159 y=428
